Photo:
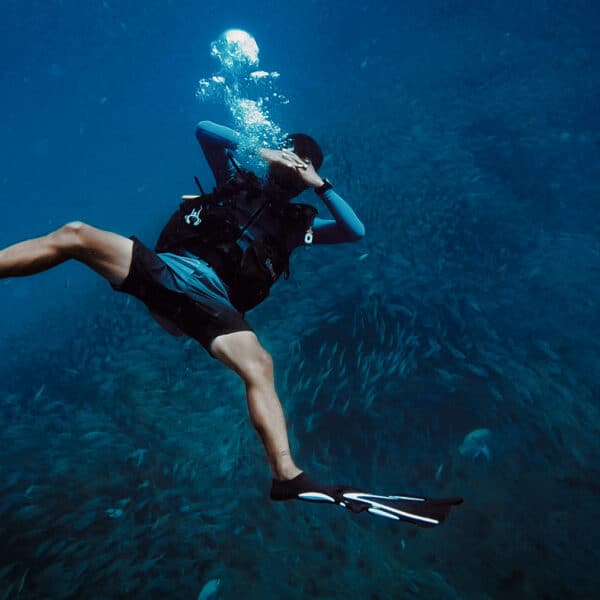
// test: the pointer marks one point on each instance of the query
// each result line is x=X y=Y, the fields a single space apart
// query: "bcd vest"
x=211 y=226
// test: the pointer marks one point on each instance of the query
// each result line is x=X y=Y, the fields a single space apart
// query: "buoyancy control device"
x=212 y=227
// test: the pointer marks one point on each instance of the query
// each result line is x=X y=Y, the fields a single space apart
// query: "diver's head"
x=284 y=176
x=305 y=147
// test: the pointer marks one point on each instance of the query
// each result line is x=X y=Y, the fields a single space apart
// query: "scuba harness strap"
x=199 y=186
x=245 y=177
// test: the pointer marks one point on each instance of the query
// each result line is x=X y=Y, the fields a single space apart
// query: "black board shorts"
x=202 y=317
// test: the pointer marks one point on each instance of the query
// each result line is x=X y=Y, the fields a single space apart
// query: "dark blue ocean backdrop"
x=453 y=351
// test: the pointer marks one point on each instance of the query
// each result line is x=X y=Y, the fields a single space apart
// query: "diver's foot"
x=290 y=489
x=287 y=472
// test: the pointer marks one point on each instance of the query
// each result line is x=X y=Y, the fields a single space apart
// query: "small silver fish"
x=209 y=590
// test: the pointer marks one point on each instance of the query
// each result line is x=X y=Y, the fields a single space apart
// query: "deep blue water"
x=466 y=136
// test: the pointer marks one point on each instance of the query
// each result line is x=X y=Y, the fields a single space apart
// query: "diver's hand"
x=287 y=158
x=282 y=157
x=308 y=173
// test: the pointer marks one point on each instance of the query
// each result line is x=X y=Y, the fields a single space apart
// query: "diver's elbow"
x=357 y=233
x=204 y=129
x=205 y=125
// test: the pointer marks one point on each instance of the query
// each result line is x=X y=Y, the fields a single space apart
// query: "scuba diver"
x=216 y=258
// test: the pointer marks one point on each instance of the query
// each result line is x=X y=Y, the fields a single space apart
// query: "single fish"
x=475 y=444
x=209 y=590
x=439 y=471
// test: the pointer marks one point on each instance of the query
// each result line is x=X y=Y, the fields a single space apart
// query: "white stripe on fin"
x=318 y=496
x=382 y=513
x=361 y=497
x=406 y=498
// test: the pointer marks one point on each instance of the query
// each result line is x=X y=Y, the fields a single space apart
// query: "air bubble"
x=245 y=89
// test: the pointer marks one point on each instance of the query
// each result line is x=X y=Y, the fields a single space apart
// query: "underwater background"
x=453 y=351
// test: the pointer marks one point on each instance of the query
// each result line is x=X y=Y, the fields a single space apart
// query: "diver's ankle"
x=287 y=473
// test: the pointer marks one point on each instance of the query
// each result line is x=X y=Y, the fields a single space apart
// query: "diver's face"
x=285 y=174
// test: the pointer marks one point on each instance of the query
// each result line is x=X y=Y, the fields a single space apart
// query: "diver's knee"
x=258 y=368
x=70 y=238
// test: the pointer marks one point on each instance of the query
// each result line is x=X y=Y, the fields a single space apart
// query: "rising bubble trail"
x=245 y=89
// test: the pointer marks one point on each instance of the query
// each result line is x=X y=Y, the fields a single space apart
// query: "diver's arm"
x=346 y=227
x=209 y=132
x=215 y=140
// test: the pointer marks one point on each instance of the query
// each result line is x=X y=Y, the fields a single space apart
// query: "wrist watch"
x=324 y=187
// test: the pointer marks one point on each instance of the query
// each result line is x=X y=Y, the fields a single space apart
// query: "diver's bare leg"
x=242 y=352
x=107 y=253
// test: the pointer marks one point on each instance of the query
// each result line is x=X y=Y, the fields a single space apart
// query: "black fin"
x=291 y=489
x=424 y=512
